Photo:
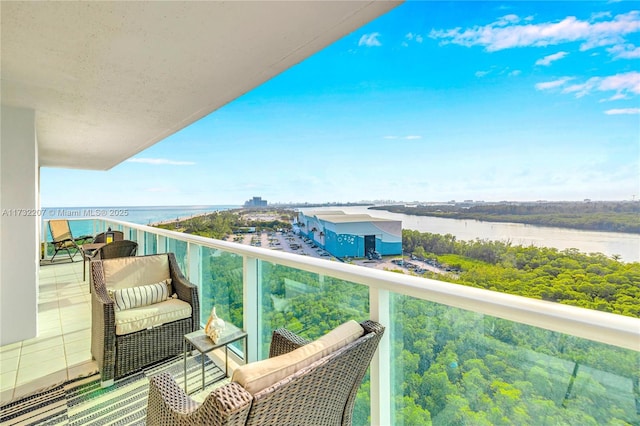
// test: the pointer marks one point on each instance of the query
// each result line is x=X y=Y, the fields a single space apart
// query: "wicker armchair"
x=115 y=249
x=322 y=393
x=119 y=354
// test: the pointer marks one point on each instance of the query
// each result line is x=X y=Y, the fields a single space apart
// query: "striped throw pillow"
x=144 y=295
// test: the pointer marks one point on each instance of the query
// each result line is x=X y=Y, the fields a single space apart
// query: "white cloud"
x=413 y=37
x=480 y=74
x=508 y=19
x=553 y=84
x=623 y=111
x=624 y=51
x=506 y=33
x=617 y=97
x=622 y=84
x=546 y=61
x=370 y=40
x=515 y=73
x=600 y=15
x=160 y=161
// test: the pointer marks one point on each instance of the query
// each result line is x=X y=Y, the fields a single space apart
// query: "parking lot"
x=285 y=241
x=292 y=243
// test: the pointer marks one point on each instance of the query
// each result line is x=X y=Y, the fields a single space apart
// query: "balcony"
x=474 y=355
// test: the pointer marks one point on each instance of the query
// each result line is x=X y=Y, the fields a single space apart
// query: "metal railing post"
x=251 y=302
x=381 y=362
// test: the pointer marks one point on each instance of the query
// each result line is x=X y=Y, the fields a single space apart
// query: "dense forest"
x=608 y=216
x=591 y=281
x=455 y=367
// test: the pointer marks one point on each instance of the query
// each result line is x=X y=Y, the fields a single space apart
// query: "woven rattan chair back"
x=102 y=237
x=124 y=248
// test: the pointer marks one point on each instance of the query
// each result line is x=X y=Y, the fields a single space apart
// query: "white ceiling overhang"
x=109 y=79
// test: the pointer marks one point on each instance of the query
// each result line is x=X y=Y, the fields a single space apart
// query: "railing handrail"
x=603 y=327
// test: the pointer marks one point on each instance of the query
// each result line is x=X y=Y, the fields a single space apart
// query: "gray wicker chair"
x=102 y=237
x=323 y=393
x=119 y=355
x=115 y=249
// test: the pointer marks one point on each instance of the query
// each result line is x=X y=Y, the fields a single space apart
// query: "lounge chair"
x=63 y=239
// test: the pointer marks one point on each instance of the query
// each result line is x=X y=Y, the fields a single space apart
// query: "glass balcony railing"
x=450 y=355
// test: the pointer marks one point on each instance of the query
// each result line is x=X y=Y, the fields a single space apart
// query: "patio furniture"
x=102 y=237
x=203 y=344
x=63 y=239
x=302 y=383
x=134 y=322
x=100 y=240
x=124 y=248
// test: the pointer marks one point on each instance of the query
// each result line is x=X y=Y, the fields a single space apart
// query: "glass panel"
x=133 y=236
x=222 y=286
x=179 y=249
x=150 y=243
x=115 y=226
x=452 y=366
x=311 y=305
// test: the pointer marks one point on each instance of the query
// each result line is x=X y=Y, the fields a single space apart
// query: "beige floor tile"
x=41 y=369
x=10 y=347
x=76 y=311
x=39 y=384
x=8 y=380
x=77 y=335
x=10 y=353
x=43 y=356
x=49 y=317
x=83 y=345
x=50 y=333
x=80 y=357
x=70 y=327
x=38 y=344
x=9 y=364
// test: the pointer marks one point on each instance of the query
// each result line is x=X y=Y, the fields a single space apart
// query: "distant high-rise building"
x=256 y=202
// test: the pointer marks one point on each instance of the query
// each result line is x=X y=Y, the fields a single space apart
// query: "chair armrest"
x=186 y=291
x=372 y=327
x=284 y=341
x=103 y=324
x=168 y=404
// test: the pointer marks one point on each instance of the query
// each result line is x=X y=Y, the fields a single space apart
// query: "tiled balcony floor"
x=62 y=349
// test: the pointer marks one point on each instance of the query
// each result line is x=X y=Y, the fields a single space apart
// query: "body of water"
x=609 y=243
x=143 y=215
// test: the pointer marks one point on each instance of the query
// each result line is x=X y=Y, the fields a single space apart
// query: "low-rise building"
x=351 y=235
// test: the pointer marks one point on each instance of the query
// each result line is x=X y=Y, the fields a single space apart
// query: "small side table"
x=88 y=250
x=204 y=344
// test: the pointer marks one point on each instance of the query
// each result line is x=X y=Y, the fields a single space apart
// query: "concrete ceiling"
x=109 y=79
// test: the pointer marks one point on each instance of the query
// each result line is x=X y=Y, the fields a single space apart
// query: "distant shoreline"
x=597 y=216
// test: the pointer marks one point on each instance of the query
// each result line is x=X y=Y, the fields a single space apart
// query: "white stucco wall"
x=19 y=225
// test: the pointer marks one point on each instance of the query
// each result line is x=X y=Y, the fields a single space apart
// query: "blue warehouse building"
x=351 y=235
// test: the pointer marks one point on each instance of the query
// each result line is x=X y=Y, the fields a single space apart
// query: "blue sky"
x=431 y=102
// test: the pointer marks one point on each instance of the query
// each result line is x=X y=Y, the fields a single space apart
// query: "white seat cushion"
x=260 y=375
x=136 y=319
